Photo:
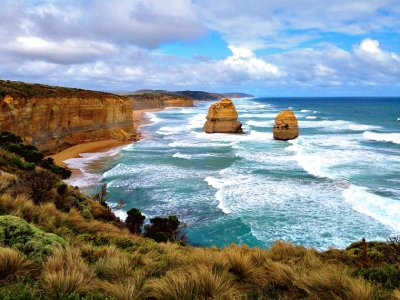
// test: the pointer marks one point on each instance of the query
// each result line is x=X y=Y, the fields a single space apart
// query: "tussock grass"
x=13 y=264
x=194 y=283
x=114 y=268
x=129 y=289
x=331 y=283
x=6 y=180
x=65 y=272
x=241 y=265
x=396 y=295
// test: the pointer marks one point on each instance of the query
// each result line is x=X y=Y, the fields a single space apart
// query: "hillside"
x=194 y=95
x=57 y=243
x=237 y=95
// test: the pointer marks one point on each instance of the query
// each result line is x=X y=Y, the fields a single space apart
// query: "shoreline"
x=138 y=118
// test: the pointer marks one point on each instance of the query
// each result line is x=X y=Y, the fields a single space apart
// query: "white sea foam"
x=260 y=123
x=218 y=184
x=235 y=138
x=198 y=144
x=197 y=121
x=382 y=137
x=181 y=155
x=120 y=214
x=398 y=119
x=169 y=130
x=258 y=115
x=311 y=117
x=335 y=125
x=153 y=118
x=87 y=178
x=382 y=209
x=214 y=182
x=305 y=110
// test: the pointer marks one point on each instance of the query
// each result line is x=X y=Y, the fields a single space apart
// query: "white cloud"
x=244 y=62
x=63 y=52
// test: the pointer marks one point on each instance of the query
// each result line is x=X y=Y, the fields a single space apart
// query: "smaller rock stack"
x=286 y=126
x=222 y=118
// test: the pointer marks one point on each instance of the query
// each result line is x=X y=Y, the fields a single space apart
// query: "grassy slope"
x=91 y=255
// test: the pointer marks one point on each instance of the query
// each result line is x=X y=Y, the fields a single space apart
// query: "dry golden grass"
x=395 y=295
x=12 y=263
x=65 y=272
x=241 y=265
x=286 y=252
x=114 y=268
x=129 y=289
x=6 y=180
x=331 y=283
x=194 y=283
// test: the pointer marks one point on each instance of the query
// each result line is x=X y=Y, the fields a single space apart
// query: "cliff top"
x=23 y=89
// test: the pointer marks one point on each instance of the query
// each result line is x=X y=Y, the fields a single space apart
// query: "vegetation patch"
x=18 y=234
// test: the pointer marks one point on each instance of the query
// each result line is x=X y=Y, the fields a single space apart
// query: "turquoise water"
x=337 y=183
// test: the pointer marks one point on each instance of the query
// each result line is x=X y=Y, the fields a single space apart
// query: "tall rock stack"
x=286 y=126
x=222 y=118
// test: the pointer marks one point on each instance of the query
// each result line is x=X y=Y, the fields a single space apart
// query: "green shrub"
x=388 y=276
x=11 y=160
x=38 y=184
x=62 y=188
x=7 y=138
x=18 y=234
x=135 y=220
x=28 y=152
x=48 y=163
x=164 y=229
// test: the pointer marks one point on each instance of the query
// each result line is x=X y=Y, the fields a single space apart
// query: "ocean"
x=337 y=183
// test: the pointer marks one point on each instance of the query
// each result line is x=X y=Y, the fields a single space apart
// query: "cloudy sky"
x=264 y=47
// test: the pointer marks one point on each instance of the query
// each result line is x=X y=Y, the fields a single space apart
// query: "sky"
x=263 y=47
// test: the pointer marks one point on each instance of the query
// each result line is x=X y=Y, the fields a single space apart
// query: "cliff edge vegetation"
x=57 y=243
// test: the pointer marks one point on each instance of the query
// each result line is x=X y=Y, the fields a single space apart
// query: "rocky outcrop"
x=55 y=118
x=286 y=126
x=222 y=117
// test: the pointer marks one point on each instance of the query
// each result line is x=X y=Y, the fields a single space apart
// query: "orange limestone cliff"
x=55 y=118
x=286 y=126
x=222 y=117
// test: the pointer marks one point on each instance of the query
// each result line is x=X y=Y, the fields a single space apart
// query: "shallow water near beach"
x=335 y=184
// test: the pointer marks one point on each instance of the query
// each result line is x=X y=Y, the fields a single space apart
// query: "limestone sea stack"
x=286 y=126
x=222 y=118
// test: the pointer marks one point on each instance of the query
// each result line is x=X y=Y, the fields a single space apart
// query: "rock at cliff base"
x=286 y=126
x=122 y=135
x=222 y=118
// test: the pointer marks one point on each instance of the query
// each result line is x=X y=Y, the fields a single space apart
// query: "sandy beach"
x=139 y=118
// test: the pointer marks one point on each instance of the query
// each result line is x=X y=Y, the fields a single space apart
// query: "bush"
x=164 y=229
x=7 y=138
x=18 y=234
x=12 y=263
x=62 y=188
x=38 y=184
x=10 y=160
x=388 y=276
x=28 y=152
x=135 y=220
x=48 y=163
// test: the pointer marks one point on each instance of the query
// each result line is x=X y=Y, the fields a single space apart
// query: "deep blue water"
x=337 y=183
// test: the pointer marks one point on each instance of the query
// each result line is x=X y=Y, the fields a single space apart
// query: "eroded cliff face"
x=222 y=118
x=54 y=119
x=159 y=101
